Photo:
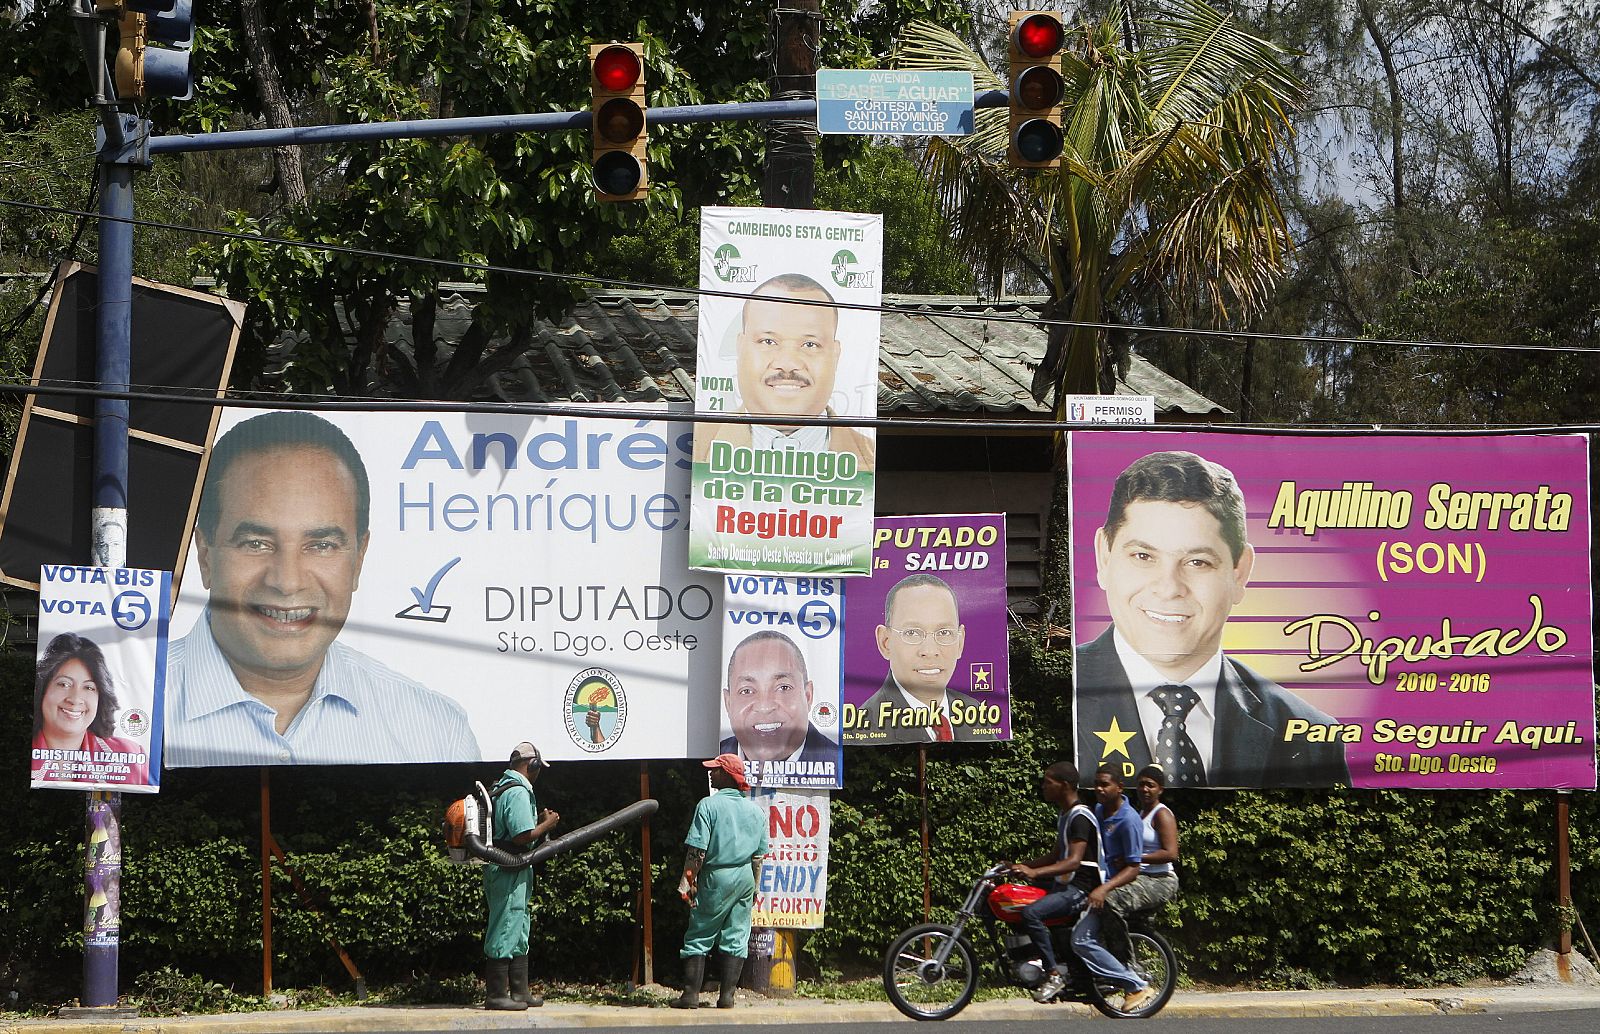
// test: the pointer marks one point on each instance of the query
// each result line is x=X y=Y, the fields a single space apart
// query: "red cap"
x=730 y=764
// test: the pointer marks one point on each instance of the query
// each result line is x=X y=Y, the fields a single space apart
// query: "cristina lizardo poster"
x=1377 y=611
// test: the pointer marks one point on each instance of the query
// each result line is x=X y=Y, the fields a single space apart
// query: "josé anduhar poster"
x=789 y=356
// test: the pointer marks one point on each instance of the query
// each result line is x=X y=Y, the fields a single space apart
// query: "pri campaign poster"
x=782 y=649
x=406 y=588
x=101 y=674
x=1264 y=611
x=793 y=889
x=926 y=659
x=774 y=495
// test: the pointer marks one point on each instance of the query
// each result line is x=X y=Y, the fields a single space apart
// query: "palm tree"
x=1171 y=122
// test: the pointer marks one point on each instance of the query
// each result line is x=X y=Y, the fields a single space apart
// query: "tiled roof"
x=640 y=347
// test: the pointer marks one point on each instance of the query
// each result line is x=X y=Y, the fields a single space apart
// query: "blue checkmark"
x=424 y=597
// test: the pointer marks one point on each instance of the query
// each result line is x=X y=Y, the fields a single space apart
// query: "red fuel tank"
x=1008 y=900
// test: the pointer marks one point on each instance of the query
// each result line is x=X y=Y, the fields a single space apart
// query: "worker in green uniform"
x=505 y=944
x=726 y=842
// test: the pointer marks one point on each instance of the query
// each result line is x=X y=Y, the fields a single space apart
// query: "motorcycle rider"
x=1121 y=853
x=1068 y=874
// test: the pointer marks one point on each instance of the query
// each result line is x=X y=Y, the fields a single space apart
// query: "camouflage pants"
x=1145 y=892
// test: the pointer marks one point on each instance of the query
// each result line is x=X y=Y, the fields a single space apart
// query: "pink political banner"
x=1372 y=611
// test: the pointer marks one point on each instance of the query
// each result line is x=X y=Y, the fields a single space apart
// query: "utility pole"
x=788 y=177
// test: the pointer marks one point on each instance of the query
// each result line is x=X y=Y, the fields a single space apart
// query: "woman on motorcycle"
x=1157 y=883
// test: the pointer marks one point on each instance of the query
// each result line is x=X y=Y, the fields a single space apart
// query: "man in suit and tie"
x=922 y=638
x=1173 y=561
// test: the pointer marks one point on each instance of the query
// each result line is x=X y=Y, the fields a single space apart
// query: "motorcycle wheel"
x=918 y=984
x=1153 y=960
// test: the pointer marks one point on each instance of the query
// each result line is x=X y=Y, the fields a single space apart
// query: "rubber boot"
x=519 y=983
x=732 y=965
x=497 y=977
x=694 y=974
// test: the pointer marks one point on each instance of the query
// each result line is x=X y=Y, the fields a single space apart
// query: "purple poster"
x=1375 y=611
x=925 y=649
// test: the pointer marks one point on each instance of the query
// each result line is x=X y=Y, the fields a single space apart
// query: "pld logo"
x=595 y=709
x=842 y=274
x=725 y=264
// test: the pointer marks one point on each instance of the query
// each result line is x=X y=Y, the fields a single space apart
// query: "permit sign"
x=1110 y=409
x=894 y=102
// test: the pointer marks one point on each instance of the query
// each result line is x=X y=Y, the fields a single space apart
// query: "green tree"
x=1171 y=123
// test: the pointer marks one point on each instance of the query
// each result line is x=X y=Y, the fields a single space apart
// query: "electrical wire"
x=899 y=310
x=16 y=323
x=678 y=413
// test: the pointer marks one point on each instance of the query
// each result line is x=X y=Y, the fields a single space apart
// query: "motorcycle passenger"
x=1157 y=882
x=1121 y=854
x=1069 y=873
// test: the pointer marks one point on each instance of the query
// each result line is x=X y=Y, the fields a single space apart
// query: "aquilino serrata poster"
x=100 y=678
x=925 y=652
x=782 y=660
x=1373 y=611
x=797 y=341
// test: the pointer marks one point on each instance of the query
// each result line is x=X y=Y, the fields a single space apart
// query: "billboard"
x=925 y=654
x=772 y=495
x=1264 y=611
x=782 y=669
x=102 y=666
x=389 y=588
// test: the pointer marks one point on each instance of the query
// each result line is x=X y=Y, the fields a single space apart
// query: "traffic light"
x=1037 y=88
x=616 y=87
x=144 y=70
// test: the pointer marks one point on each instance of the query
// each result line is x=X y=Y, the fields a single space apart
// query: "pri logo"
x=844 y=276
x=725 y=264
x=596 y=710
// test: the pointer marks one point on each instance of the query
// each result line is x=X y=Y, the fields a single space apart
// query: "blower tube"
x=635 y=812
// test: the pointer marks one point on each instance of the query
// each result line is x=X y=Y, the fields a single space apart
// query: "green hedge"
x=1282 y=888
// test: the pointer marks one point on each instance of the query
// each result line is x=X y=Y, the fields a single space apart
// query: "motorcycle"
x=930 y=970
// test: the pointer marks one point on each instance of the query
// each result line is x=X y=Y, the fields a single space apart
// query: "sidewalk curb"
x=1240 y=1004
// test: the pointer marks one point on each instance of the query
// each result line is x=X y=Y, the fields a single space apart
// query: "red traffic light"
x=1040 y=35
x=617 y=68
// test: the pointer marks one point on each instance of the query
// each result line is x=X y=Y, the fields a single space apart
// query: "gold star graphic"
x=1116 y=740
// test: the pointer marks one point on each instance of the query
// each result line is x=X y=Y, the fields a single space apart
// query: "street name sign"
x=894 y=102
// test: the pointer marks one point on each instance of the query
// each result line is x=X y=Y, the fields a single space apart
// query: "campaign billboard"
x=788 y=333
x=389 y=588
x=925 y=652
x=98 y=688
x=782 y=667
x=1373 y=611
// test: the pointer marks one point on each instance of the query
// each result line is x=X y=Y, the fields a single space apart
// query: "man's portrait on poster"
x=1173 y=561
x=281 y=536
x=923 y=639
x=786 y=364
x=767 y=699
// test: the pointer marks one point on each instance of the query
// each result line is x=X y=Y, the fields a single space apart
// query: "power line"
x=899 y=310
x=633 y=411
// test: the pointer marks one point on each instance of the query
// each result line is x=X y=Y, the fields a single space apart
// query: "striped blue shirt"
x=360 y=713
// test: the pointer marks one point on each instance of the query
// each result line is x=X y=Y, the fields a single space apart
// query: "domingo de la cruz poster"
x=929 y=625
x=102 y=669
x=774 y=496
x=792 y=890
x=1414 y=610
x=783 y=651
x=522 y=577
